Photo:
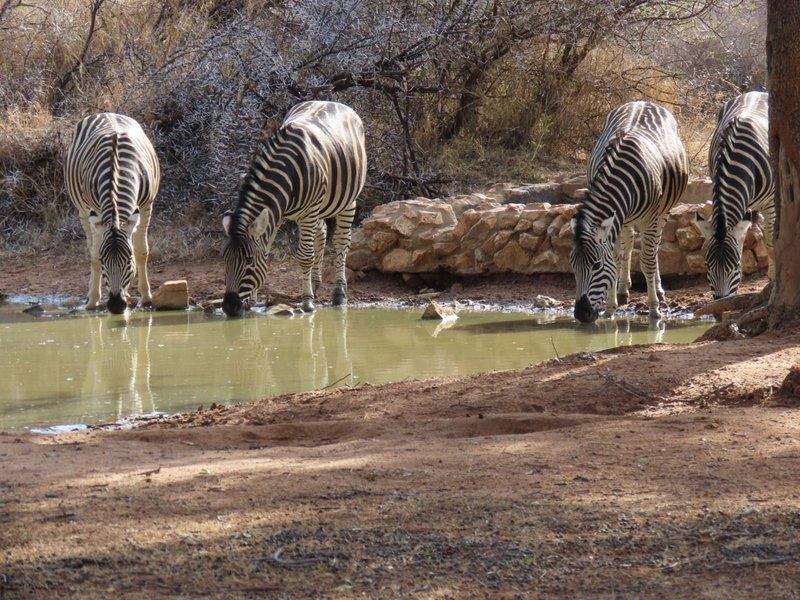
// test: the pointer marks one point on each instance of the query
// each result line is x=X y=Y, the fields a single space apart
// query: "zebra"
x=112 y=175
x=741 y=172
x=311 y=168
x=637 y=171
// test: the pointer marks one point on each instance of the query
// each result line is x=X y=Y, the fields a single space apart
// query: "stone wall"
x=476 y=234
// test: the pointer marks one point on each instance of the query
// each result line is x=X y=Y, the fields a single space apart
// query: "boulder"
x=172 y=295
x=436 y=311
x=281 y=310
x=396 y=261
x=697 y=191
x=512 y=258
x=689 y=238
x=540 y=301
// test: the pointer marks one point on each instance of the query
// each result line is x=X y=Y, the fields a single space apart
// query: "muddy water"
x=59 y=369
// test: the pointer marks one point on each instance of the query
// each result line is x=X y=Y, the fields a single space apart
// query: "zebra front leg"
x=341 y=245
x=95 y=275
x=319 y=254
x=651 y=240
x=623 y=250
x=305 y=256
x=141 y=252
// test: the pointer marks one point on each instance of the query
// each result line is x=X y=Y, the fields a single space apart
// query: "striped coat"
x=637 y=171
x=743 y=184
x=112 y=176
x=310 y=169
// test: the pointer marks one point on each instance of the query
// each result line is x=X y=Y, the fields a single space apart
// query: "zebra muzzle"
x=116 y=304
x=232 y=304
x=584 y=311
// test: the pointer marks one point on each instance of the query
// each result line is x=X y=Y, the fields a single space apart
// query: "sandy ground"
x=650 y=471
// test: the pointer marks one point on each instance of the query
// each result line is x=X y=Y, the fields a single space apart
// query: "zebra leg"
x=95 y=276
x=651 y=240
x=624 y=249
x=341 y=245
x=769 y=224
x=319 y=254
x=141 y=252
x=305 y=256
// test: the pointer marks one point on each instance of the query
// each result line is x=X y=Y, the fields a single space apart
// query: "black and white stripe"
x=743 y=185
x=112 y=176
x=637 y=171
x=310 y=169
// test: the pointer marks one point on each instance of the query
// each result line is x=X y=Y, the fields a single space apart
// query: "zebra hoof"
x=622 y=299
x=308 y=305
x=339 y=298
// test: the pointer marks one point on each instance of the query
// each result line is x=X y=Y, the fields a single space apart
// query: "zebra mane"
x=718 y=215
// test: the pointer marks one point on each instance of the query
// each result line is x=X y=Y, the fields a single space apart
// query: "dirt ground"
x=66 y=273
x=649 y=471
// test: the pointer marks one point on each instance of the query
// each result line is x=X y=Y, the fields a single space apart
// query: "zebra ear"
x=259 y=225
x=705 y=227
x=226 y=222
x=604 y=229
x=740 y=230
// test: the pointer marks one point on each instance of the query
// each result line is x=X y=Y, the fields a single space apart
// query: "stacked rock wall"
x=476 y=234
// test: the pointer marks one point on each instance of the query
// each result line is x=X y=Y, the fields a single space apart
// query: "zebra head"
x=724 y=254
x=592 y=260
x=245 y=258
x=116 y=257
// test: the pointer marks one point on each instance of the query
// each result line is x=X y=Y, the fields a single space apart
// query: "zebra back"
x=739 y=161
x=111 y=168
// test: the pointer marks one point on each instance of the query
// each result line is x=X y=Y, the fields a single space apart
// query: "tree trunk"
x=783 y=61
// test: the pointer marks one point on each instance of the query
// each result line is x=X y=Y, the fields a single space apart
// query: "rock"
x=434 y=310
x=329 y=274
x=537 y=192
x=530 y=241
x=211 y=305
x=749 y=262
x=791 y=383
x=381 y=241
x=280 y=310
x=396 y=261
x=361 y=259
x=512 y=258
x=689 y=238
x=172 y=295
x=697 y=191
x=540 y=301
x=721 y=332
x=457 y=288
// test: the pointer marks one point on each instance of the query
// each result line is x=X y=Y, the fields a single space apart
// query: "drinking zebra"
x=310 y=169
x=112 y=176
x=743 y=184
x=637 y=170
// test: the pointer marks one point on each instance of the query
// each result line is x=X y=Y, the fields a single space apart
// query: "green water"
x=89 y=369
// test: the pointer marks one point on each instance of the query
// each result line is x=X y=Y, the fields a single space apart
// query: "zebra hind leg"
x=624 y=249
x=651 y=239
x=95 y=276
x=141 y=252
x=319 y=254
x=341 y=245
x=305 y=256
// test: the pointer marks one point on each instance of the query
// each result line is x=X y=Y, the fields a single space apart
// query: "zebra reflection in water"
x=118 y=370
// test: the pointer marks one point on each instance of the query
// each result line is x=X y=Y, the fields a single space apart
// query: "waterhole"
x=69 y=369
